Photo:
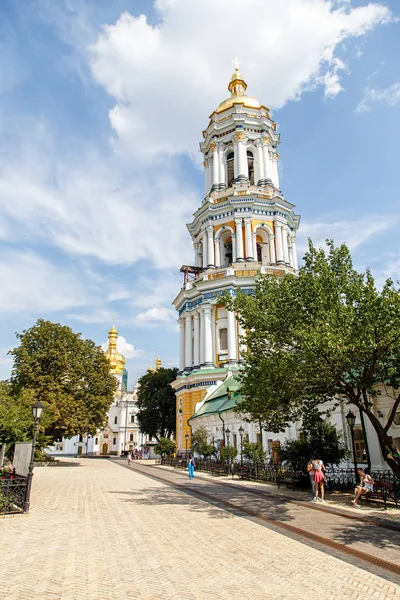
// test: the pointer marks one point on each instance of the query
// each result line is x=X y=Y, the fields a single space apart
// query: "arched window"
x=131 y=437
x=132 y=418
x=230 y=170
x=259 y=252
x=250 y=164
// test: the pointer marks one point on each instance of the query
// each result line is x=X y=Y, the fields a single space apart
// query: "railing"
x=338 y=478
x=12 y=493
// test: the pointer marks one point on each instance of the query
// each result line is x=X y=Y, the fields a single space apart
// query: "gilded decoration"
x=239 y=136
x=266 y=140
x=276 y=155
x=217 y=275
x=251 y=273
x=213 y=145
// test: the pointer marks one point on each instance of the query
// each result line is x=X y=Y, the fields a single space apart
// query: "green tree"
x=70 y=375
x=323 y=334
x=165 y=446
x=254 y=452
x=157 y=403
x=319 y=439
x=200 y=443
x=228 y=453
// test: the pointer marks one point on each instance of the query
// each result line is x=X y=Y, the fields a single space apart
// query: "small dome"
x=237 y=87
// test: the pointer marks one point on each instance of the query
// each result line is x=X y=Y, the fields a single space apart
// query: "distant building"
x=122 y=432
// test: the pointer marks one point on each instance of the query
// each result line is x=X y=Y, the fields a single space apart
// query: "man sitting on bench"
x=366 y=485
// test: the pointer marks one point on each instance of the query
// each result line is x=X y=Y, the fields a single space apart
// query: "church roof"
x=117 y=360
x=225 y=397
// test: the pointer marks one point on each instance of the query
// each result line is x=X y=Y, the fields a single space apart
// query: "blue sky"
x=102 y=104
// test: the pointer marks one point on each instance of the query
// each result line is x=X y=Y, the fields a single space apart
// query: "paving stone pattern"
x=102 y=532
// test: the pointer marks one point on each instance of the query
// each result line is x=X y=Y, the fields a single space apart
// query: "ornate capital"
x=213 y=145
x=239 y=136
x=266 y=140
x=276 y=156
x=248 y=220
x=210 y=229
x=238 y=220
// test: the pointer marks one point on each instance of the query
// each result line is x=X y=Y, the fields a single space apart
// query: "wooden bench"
x=219 y=470
x=290 y=480
x=385 y=491
x=241 y=471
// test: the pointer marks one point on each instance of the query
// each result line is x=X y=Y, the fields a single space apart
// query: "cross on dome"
x=236 y=63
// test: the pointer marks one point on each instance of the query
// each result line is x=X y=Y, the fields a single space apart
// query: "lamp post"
x=228 y=431
x=351 y=421
x=241 y=430
x=37 y=410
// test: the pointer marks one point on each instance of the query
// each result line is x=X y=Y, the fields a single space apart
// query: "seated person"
x=366 y=485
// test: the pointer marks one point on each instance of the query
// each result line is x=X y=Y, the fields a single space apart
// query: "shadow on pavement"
x=368 y=534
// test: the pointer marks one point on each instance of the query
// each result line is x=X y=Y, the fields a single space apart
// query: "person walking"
x=129 y=458
x=310 y=470
x=191 y=466
x=319 y=479
x=366 y=485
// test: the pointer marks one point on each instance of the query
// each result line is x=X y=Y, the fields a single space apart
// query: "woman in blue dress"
x=191 y=466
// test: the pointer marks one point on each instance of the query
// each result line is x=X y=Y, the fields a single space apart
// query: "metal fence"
x=12 y=493
x=338 y=478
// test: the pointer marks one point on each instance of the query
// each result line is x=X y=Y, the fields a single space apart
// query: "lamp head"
x=351 y=419
x=241 y=430
x=37 y=410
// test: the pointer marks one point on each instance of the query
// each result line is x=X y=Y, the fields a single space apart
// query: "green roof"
x=218 y=401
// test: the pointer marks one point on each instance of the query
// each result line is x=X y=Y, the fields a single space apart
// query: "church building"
x=244 y=227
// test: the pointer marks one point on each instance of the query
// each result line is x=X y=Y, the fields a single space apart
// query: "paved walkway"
x=101 y=531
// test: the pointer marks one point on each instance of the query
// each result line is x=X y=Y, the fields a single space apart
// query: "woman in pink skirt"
x=319 y=478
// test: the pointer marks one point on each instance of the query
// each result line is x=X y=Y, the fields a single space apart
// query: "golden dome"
x=117 y=360
x=158 y=364
x=237 y=87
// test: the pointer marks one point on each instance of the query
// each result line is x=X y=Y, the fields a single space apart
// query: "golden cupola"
x=158 y=363
x=117 y=360
x=237 y=87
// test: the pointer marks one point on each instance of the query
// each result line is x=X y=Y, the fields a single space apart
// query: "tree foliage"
x=70 y=375
x=165 y=446
x=325 y=333
x=254 y=452
x=200 y=443
x=157 y=403
x=228 y=453
x=318 y=439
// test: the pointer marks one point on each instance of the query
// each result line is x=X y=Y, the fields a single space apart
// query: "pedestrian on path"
x=191 y=466
x=129 y=458
x=366 y=485
x=319 y=478
x=310 y=470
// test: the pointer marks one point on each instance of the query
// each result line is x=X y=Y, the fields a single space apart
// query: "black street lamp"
x=228 y=431
x=351 y=421
x=37 y=410
x=186 y=440
x=241 y=430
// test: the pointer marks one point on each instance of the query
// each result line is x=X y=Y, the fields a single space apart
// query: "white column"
x=188 y=342
x=182 y=345
x=275 y=170
x=278 y=236
x=254 y=236
x=267 y=164
x=294 y=254
x=239 y=240
x=217 y=243
x=205 y=250
x=271 y=239
x=208 y=176
x=249 y=239
x=242 y=156
x=196 y=254
x=201 y=337
x=215 y=159
x=234 y=254
x=208 y=358
x=222 y=169
x=260 y=163
x=285 y=245
x=210 y=244
x=196 y=335
x=232 y=338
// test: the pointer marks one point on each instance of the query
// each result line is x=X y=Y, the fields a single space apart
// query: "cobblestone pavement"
x=102 y=532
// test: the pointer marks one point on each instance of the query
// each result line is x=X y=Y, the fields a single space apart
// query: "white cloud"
x=31 y=283
x=166 y=77
x=389 y=96
x=353 y=232
x=125 y=348
x=156 y=316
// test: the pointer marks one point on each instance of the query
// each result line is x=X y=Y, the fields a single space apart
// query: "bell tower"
x=243 y=229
